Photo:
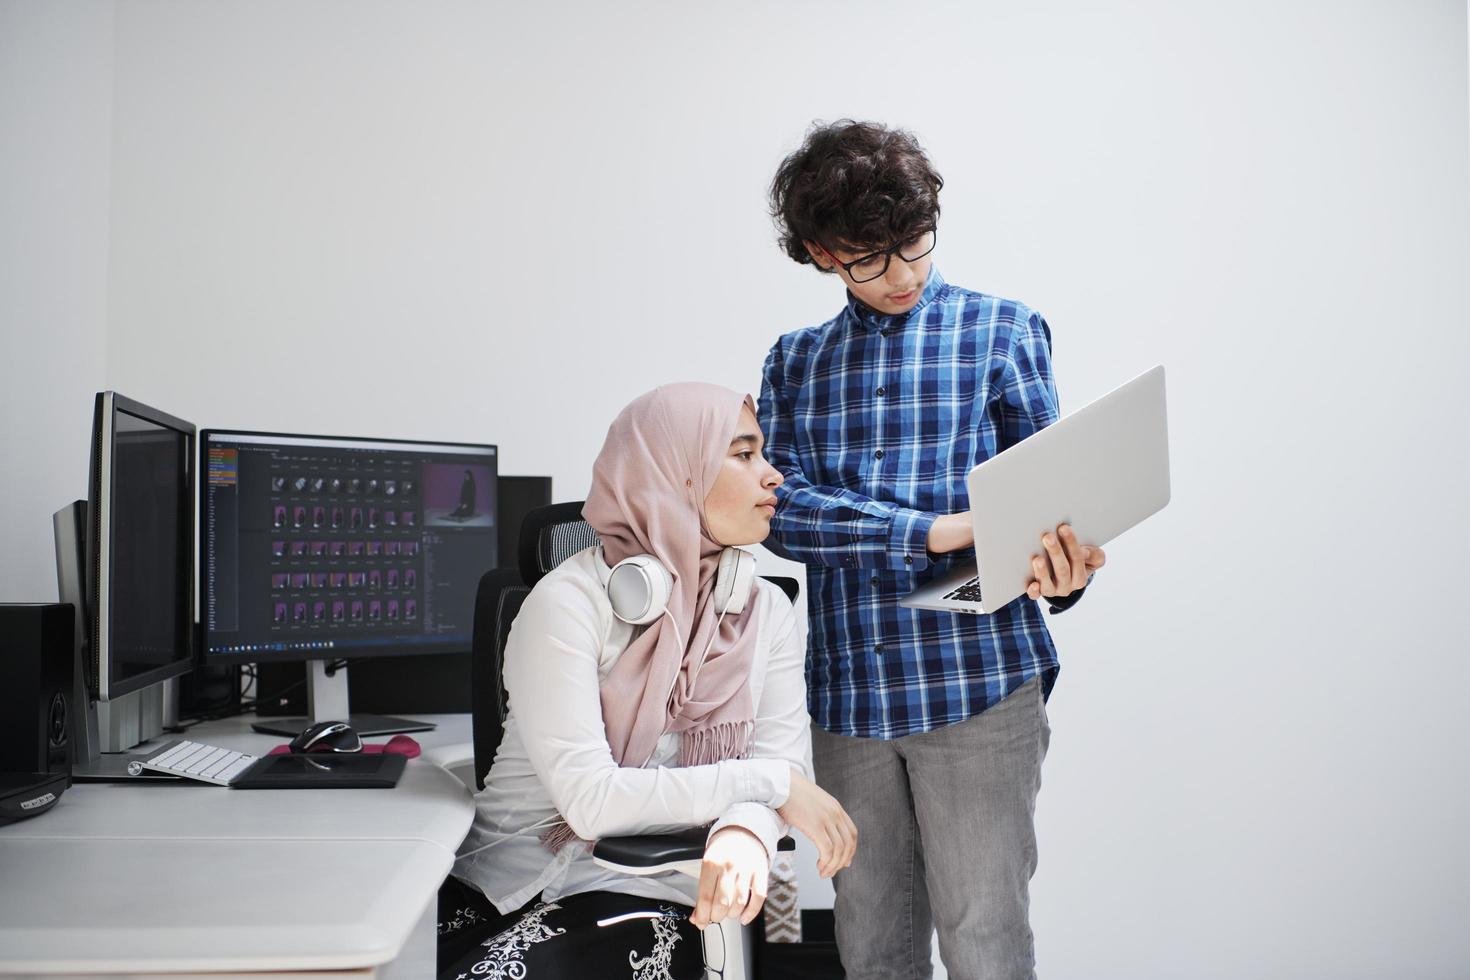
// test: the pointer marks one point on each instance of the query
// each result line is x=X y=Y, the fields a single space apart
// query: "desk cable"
x=510 y=837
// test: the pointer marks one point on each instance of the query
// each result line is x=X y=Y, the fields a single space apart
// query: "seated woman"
x=623 y=721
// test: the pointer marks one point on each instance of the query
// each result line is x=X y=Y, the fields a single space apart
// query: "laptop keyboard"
x=969 y=592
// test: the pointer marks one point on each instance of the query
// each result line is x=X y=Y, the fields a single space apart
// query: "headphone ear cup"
x=639 y=589
x=734 y=580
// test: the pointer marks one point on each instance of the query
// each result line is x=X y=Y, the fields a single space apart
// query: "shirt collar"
x=873 y=320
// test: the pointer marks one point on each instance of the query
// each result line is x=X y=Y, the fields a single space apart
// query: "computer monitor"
x=325 y=548
x=125 y=560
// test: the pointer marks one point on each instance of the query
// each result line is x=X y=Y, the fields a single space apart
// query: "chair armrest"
x=650 y=854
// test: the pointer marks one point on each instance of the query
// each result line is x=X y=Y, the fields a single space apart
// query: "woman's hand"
x=733 y=878
x=816 y=813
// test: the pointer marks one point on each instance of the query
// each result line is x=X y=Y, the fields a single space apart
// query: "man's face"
x=895 y=291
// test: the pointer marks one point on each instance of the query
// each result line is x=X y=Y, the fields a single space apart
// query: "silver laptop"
x=1102 y=469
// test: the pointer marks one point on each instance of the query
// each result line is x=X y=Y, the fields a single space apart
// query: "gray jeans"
x=946 y=840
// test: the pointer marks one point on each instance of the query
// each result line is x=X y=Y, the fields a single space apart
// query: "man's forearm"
x=950 y=532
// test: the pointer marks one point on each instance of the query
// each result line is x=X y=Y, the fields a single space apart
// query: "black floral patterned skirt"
x=580 y=937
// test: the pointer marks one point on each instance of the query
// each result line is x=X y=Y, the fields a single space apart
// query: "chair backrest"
x=549 y=536
x=498 y=600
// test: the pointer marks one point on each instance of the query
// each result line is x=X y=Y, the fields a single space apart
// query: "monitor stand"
x=326 y=700
x=103 y=732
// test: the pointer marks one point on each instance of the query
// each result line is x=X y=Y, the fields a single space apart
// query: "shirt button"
x=881 y=391
x=878 y=454
x=878 y=648
x=873 y=581
x=908 y=559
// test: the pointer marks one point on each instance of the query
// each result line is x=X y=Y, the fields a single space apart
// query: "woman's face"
x=739 y=507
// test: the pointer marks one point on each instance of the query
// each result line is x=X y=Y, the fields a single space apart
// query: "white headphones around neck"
x=639 y=587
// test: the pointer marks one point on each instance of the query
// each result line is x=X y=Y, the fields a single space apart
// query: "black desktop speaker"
x=436 y=683
x=36 y=670
x=519 y=495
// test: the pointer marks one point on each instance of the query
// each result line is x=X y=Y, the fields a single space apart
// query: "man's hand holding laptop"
x=1062 y=568
x=1067 y=566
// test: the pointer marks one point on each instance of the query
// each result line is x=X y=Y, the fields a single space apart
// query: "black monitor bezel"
x=100 y=683
x=303 y=656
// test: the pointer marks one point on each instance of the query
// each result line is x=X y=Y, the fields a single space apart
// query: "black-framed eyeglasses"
x=875 y=264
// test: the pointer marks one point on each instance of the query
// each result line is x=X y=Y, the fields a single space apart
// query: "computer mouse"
x=327 y=736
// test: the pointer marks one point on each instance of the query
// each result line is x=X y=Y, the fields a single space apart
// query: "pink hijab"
x=662 y=455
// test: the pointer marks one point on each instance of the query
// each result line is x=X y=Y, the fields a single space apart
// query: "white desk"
x=189 y=877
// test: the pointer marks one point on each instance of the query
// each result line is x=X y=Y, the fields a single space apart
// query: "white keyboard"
x=195 y=760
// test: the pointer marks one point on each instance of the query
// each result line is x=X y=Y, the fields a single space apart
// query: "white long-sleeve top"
x=554 y=757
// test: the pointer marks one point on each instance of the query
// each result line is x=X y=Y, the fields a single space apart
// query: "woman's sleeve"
x=782 y=726
x=551 y=659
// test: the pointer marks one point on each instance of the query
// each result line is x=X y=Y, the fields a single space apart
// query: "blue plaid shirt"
x=875 y=421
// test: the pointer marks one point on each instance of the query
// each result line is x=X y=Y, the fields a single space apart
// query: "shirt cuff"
x=908 y=539
x=767 y=782
x=1062 y=603
x=760 y=820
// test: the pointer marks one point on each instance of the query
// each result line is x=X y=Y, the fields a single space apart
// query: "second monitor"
x=324 y=548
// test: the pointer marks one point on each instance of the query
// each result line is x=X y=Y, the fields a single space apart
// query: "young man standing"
x=929 y=727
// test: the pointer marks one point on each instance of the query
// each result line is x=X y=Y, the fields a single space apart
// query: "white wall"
x=55 y=140
x=465 y=220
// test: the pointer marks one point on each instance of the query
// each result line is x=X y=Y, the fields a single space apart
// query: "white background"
x=474 y=221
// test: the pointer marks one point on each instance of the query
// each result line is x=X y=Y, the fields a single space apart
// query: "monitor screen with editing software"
x=317 y=548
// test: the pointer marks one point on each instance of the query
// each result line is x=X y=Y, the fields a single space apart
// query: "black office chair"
x=549 y=536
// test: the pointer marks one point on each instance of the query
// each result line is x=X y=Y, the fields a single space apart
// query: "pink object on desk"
x=398 y=745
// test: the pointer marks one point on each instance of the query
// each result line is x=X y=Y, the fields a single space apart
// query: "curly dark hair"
x=854 y=184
